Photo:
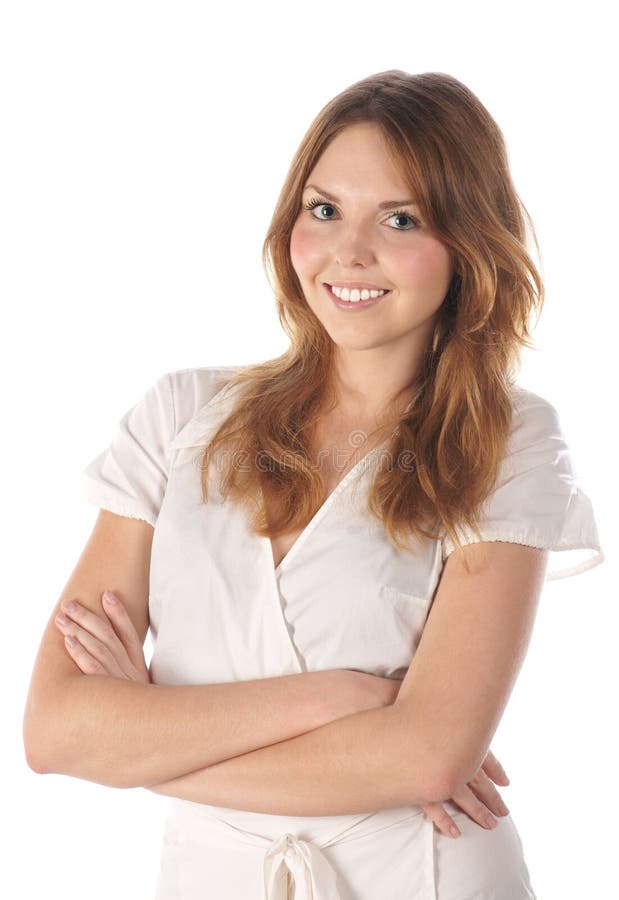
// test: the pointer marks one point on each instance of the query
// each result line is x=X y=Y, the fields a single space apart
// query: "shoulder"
x=192 y=388
x=193 y=393
x=528 y=403
x=535 y=421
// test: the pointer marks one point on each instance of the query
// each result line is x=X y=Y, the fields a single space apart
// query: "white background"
x=143 y=147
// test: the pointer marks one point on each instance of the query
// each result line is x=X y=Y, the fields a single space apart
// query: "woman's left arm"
x=290 y=778
x=322 y=771
x=333 y=770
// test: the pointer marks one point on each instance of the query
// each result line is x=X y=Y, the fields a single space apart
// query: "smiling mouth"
x=354 y=295
x=352 y=299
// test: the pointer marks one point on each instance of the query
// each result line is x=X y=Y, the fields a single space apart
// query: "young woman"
x=339 y=552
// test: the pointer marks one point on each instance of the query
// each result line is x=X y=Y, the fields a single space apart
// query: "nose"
x=354 y=248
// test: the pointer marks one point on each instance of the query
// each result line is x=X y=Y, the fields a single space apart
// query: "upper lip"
x=356 y=284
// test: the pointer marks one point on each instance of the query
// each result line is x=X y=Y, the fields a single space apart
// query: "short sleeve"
x=538 y=499
x=129 y=477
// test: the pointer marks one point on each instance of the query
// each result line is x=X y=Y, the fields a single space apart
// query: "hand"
x=104 y=645
x=477 y=799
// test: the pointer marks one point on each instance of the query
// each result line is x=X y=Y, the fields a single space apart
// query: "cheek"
x=305 y=249
x=428 y=265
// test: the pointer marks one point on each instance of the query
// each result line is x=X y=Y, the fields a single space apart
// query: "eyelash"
x=312 y=204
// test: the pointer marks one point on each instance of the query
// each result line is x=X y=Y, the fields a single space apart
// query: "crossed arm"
x=448 y=708
x=351 y=765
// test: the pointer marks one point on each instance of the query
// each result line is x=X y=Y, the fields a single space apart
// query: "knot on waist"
x=299 y=869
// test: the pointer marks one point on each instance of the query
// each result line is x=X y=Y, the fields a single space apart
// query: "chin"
x=355 y=342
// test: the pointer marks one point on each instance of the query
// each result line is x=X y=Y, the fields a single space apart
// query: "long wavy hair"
x=452 y=155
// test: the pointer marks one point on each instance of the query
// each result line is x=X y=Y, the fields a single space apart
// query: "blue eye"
x=315 y=202
x=400 y=212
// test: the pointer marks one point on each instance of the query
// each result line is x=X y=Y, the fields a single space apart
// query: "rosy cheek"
x=304 y=248
x=429 y=262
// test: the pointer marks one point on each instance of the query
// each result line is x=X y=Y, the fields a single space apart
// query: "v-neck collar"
x=205 y=422
x=320 y=512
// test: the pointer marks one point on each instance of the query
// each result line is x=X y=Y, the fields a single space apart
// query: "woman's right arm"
x=125 y=734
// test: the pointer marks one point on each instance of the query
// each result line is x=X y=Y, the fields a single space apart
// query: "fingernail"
x=108 y=597
x=504 y=809
x=491 y=821
x=454 y=831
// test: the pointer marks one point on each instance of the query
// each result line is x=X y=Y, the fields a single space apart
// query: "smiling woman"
x=331 y=658
x=396 y=253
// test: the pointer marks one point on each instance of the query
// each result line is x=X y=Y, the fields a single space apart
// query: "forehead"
x=358 y=160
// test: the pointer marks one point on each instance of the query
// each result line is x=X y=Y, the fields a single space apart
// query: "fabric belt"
x=298 y=869
x=295 y=867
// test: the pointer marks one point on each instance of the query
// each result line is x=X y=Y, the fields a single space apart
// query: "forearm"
x=360 y=763
x=125 y=734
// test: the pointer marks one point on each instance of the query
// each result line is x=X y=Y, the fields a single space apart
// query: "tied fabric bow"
x=291 y=862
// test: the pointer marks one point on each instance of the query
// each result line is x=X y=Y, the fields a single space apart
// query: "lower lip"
x=361 y=304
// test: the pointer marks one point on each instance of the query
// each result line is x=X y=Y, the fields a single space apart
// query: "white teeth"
x=354 y=295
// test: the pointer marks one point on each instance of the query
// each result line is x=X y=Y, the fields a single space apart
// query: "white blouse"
x=342 y=598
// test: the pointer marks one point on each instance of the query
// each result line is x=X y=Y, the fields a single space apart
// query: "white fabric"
x=342 y=598
x=538 y=499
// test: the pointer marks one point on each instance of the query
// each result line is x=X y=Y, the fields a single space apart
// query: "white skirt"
x=395 y=854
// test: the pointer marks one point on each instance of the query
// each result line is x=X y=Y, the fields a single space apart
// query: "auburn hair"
x=452 y=155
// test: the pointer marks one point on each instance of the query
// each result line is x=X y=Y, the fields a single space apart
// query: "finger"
x=82 y=658
x=124 y=627
x=474 y=808
x=481 y=802
x=494 y=769
x=486 y=792
x=109 y=646
x=441 y=818
x=92 y=647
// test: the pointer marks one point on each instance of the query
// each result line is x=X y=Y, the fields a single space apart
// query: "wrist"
x=343 y=693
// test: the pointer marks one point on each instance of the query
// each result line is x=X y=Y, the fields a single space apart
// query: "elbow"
x=37 y=745
x=46 y=757
x=47 y=735
x=32 y=751
x=428 y=778
x=429 y=785
x=31 y=741
x=33 y=763
x=439 y=787
x=440 y=781
x=443 y=785
x=54 y=747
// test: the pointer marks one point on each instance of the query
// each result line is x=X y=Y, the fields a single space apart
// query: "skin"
x=120 y=655
x=378 y=350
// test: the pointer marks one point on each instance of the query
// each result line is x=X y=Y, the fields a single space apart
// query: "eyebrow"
x=388 y=204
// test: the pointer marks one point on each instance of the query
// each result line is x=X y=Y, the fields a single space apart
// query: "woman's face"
x=353 y=236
